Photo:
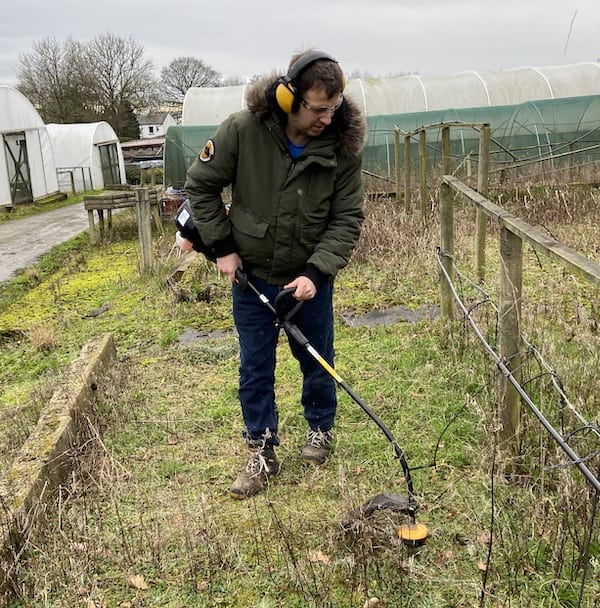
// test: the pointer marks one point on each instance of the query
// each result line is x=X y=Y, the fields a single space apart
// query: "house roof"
x=143 y=143
x=154 y=118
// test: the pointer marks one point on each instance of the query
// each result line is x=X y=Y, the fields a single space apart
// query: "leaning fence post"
x=144 y=221
x=447 y=231
x=397 y=161
x=423 y=171
x=571 y=162
x=407 y=196
x=482 y=188
x=509 y=335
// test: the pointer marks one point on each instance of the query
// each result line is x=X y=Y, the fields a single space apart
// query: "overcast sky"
x=378 y=37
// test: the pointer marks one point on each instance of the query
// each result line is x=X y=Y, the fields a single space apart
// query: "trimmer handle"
x=242 y=279
x=284 y=315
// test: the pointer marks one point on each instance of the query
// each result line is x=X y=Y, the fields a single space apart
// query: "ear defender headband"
x=286 y=93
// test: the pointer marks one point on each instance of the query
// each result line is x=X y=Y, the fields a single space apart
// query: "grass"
x=27 y=210
x=146 y=519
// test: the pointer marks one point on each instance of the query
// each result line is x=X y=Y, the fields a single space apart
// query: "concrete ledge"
x=44 y=460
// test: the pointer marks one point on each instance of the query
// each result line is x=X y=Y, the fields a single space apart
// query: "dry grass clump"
x=43 y=337
x=390 y=235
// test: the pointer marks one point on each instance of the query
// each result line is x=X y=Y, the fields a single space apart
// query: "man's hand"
x=183 y=243
x=229 y=264
x=305 y=288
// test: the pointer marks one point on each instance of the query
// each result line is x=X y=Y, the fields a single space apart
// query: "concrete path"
x=24 y=241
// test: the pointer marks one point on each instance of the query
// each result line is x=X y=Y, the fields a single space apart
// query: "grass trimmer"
x=412 y=534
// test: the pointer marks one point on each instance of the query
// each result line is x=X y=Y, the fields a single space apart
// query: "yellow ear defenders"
x=285 y=93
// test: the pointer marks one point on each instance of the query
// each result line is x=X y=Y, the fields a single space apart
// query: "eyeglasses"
x=322 y=109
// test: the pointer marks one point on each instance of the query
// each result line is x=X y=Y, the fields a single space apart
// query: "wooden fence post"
x=571 y=162
x=482 y=188
x=509 y=335
x=397 y=162
x=144 y=221
x=407 y=197
x=446 y=159
x=423 y=171
x=447 y=231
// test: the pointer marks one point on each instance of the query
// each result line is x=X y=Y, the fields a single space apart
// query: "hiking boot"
x=262 y=463
x=317 y=448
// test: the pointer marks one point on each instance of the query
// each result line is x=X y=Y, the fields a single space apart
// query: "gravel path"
x=24 y=241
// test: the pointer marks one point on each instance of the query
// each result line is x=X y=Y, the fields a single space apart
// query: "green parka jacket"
x=287 y=217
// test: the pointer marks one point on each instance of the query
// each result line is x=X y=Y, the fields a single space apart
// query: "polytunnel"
x=208 y=106
x=27 y=168
x=532 y=111
x=550 y=129
x=88 y=156
x=182 y=145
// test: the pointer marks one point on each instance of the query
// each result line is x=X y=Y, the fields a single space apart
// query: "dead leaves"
x=137 y=581
x=318 y=557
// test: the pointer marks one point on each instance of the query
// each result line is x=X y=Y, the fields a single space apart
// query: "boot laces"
x=319 y=438
x=257 y=464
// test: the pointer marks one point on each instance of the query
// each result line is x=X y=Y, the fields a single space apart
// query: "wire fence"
x=555 y=455
x=558 y=446
x=407 y=156
x=569 y=441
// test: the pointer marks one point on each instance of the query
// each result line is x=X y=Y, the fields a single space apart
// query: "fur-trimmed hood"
x=349 y=121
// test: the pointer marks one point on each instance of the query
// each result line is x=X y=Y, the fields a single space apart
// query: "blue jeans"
x=258 y=336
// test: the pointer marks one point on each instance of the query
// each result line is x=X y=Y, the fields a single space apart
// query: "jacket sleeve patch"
x=208 y=152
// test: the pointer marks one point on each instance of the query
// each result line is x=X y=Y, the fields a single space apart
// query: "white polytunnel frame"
x=27 y=167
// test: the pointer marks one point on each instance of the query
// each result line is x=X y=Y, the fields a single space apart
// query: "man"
x=293 y=159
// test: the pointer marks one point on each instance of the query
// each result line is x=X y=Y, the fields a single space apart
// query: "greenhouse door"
x=109 y=158
x=17 y=162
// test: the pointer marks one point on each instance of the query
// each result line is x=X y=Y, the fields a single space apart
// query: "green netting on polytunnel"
x=182 y=145
x=550 y=130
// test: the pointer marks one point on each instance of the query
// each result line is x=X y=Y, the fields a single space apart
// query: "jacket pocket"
x=251 y=235
x=312 y=220
x=247 y=223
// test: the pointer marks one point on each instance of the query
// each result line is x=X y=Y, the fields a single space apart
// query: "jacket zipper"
x=291 y=169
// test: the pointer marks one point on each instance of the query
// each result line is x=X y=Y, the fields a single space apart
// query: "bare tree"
x=105 y=79
x=50 y=77
x=232 y=81
x=183 y=73
x=120 y=74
